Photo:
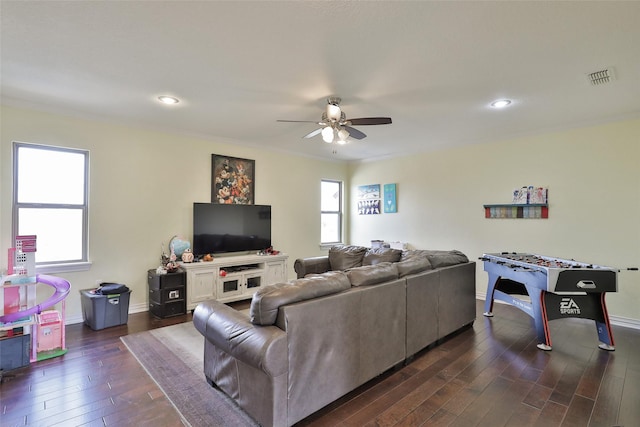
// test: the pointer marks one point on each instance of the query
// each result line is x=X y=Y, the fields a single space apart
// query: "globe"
x=179 y=245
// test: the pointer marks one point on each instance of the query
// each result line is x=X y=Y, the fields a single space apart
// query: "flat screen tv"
x=220 y=228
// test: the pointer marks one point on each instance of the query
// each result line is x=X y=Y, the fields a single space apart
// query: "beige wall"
x=593 y=176
x=143 y=184
x=142 y=187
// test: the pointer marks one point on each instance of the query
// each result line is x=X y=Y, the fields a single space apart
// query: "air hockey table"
x=557 y=289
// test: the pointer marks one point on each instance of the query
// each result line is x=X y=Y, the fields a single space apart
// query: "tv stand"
x=232 y=278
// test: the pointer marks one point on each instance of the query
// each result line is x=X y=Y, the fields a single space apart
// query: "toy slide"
x=60 y=285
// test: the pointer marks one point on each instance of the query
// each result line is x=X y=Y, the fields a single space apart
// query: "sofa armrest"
x=263 y=347
x=315 y=265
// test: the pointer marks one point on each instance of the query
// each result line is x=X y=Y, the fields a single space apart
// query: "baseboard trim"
x=135 y=308
x=615 y=320
x=625 y=321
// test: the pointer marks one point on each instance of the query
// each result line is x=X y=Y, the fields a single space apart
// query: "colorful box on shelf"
x=538 y=210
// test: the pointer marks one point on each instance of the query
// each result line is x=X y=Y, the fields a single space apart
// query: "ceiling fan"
x=336 y=127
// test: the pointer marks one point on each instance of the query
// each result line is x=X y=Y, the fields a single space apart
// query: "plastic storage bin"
x=103 y=311
x=14 y=352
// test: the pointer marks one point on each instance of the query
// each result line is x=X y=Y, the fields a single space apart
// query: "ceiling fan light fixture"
x=335 y=127
x=343 y=134
x=327 y=134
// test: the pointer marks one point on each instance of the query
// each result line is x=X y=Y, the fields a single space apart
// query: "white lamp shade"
x=327 y=134
x=343 y=134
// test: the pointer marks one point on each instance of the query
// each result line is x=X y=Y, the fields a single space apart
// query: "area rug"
x=173 y=357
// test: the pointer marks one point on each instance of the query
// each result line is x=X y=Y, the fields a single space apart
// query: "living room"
x=145 y=177
x=146 y=173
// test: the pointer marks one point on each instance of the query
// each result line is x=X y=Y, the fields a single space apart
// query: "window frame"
x=81 y=264
x=339 y=212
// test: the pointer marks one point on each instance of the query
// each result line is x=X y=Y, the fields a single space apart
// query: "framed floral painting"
x=232 y=180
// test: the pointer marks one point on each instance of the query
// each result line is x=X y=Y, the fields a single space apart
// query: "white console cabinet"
x=232 y=278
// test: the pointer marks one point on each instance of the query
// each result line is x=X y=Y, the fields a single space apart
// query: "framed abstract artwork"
x=390 y=201
x=232 y=180
x=369 y=207
x=369 y=199
x=368 y=192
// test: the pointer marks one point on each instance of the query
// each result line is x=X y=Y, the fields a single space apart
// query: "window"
x=331 y=212
x=50 y=200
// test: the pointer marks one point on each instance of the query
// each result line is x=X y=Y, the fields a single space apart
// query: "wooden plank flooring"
x=489 y=375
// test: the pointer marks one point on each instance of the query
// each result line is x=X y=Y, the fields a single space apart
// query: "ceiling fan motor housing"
x=334 y=113
x=334 y=100
x=327 y=121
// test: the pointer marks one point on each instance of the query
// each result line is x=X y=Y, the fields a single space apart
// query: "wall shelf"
x=510 y=210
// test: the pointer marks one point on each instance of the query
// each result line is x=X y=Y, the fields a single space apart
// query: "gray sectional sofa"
x=349 y=317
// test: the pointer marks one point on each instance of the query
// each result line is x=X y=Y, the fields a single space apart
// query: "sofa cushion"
x=413 y=265
x=312 y=265
x=437 y=258
x=440 y=259
x=267 y=300
x=413 y=253
x=346 y=256
x=378 y=255
x=372 y=274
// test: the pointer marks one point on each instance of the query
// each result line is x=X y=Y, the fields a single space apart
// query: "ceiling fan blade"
x=314 y=133
x=370 y=121
x=298 y=121
x=354 y=133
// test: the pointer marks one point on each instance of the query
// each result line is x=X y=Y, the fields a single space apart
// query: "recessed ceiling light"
x=501 y=103
x=168 y=99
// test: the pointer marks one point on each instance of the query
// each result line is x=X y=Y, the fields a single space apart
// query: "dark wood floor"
x=489 y=375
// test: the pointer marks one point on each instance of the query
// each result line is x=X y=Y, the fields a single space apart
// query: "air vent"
x=601 y=77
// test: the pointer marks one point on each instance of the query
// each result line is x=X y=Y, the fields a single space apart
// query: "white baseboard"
x=135 y=308
x=71 y=320
x=615 y=320
x=625 y=321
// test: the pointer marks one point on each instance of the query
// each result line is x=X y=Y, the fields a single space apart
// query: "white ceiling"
x=433 y=67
